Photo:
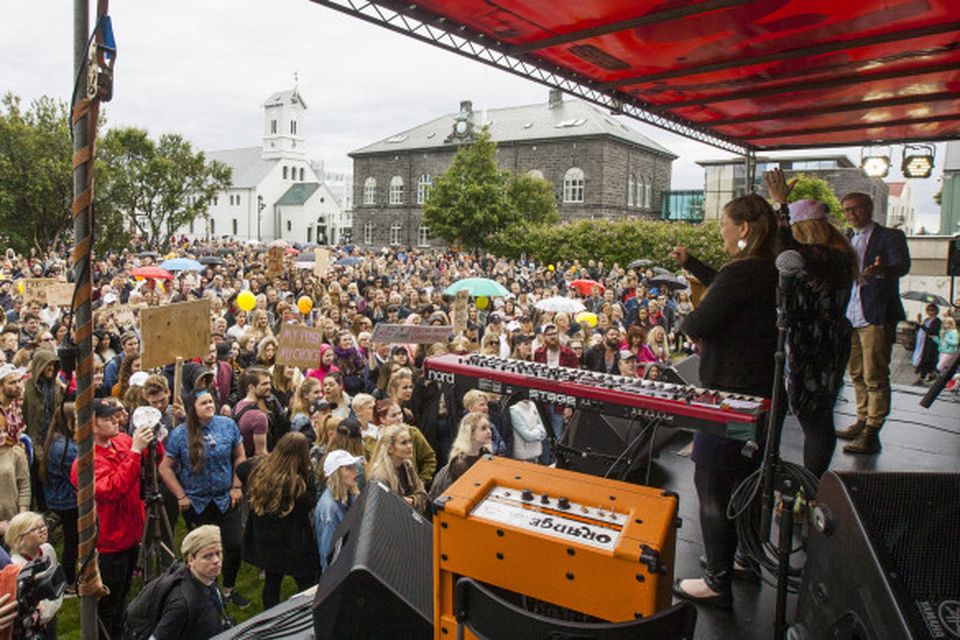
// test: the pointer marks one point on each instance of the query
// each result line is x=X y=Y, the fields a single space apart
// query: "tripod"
x=155 y=555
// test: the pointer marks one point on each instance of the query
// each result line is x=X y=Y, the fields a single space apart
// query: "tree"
x=36 y=188
x=474 y=199
x=157 y=186
x=808 y=186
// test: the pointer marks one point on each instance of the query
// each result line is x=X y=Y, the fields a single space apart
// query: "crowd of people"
x=263 y=460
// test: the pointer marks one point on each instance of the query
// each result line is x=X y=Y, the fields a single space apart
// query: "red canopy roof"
x=740 y=74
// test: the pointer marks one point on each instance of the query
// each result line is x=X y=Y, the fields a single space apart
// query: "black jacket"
x=191 y=612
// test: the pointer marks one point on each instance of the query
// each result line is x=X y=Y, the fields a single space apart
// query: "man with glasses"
x=873 y=311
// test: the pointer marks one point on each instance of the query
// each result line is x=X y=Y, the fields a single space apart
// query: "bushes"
x=611 y=241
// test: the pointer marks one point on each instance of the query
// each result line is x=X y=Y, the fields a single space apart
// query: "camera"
x=37 y=581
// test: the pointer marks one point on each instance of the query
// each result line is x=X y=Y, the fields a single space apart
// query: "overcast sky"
x=204 y=68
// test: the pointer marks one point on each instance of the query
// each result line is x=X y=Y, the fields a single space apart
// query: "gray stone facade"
x=605 y=155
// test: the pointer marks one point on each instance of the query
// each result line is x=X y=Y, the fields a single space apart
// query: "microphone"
x=789 y=263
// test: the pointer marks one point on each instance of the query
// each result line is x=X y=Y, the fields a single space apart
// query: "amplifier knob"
x=527 y=495
x=545 y=499
x=563 y=503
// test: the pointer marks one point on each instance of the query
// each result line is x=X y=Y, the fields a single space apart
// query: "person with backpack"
x=183 y=603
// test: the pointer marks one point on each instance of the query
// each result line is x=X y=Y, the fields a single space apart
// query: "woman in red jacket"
x=116 y=465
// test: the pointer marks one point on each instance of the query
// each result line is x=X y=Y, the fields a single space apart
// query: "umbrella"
x=148 y=254
x=225 y=251
x=660 y=271
x=923 y=296
x=557 y=304
x=668 y=281
x=349 y=261
x=637 y=264
x=585 y=285
x=152 y=272
x=308 y=256
x=291 y=251
x=210 y=260
x=477 y=287
x=181 y=264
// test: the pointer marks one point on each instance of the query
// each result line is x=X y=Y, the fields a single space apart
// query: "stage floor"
x=914 y=439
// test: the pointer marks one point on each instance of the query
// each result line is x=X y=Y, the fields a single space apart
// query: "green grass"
x=249 y=584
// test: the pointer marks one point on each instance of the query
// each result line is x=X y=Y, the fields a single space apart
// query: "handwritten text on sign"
x=299 y=346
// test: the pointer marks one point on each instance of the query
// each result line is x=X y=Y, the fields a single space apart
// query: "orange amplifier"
x=598 y=547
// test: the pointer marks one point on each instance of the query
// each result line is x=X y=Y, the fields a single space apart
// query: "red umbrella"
x=584 y=286
x=152 y=272
x=290 y=251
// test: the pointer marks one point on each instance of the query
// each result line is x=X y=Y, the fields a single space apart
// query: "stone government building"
x=599 y=167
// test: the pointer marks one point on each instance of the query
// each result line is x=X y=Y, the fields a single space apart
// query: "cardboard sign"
x=174 y=331
x=460 y=313
x=299 y=346
x=275 y=262
x=60 y=294
x=321 y=262
x=35 y=289
x=410 y=333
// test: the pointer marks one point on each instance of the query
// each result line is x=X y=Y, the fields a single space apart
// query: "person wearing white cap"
x=819 y=333
x=341 y=470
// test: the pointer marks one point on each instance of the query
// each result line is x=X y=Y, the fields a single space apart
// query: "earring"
x=741 y=244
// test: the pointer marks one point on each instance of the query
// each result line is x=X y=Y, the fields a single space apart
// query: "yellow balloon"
x=246 y=300
x=20 y=286
x=305 y=304
x=549 y=267
x=483 y=302
x=585 y=317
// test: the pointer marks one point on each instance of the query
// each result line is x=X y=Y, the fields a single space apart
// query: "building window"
x=191 y=226
x=273 y=126
x=289 y=225
x=395 y=230
x=293 y=127
x=234 y=226
x=423 y=235
x=301 y=174
x=396 y=190
x=424 y=184
x=368 y=232
x=284 y=172
x=310 y=234
x=216 y=200
x=631 y=185
x=213 y=226
x=647 y=193
x=370 y=192
x=573 y=185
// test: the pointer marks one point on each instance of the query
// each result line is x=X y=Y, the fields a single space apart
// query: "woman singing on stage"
x=735 y=327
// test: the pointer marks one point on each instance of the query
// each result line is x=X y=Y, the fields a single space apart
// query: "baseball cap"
x=513 y=325
x=338 y=458
x=626 y=354
x=109 y=298
x=103 y=409
x=8 y=370
x=139 y=378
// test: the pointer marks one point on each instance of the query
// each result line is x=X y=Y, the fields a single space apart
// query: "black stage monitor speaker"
x=379 y=584
x=688 y=370
x=883 y=558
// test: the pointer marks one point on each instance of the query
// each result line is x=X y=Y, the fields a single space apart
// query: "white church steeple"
x=283 y=126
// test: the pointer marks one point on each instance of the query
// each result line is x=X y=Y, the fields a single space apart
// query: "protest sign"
x=410 y=333
x=275 y=262
x=299 y=346
x=35 y=289
x=174 y=331
x=60 y=294
x=321 y=262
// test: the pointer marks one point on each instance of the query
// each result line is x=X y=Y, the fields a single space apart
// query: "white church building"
x=275 y=193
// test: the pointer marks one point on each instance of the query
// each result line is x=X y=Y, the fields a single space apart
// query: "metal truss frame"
x=413 y=22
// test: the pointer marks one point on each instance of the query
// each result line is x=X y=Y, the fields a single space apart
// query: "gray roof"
x=249 y=167
x=282 y=97
x=298 y=193
x=571 y=118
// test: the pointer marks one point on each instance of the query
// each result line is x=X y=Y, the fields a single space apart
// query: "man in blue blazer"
x=874 y=311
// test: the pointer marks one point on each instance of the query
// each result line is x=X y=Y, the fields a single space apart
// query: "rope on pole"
x=93 y=64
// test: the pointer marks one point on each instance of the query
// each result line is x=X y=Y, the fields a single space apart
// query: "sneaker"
x=235 y=599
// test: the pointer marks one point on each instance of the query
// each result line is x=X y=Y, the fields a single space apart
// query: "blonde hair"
x=382 y=467
x=472 y=397
x=338 y=488
x=18 y=526
x=464 y=440
x=202 y=536
x=823 y=232
x=362 y=400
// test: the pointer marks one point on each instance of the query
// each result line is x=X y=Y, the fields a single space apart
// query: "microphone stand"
x=774 y=479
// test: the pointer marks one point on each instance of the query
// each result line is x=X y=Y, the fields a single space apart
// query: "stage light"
x=917 y=160
x=875 y=166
